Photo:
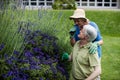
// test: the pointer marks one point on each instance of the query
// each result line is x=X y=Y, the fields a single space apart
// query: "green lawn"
x=111 y=58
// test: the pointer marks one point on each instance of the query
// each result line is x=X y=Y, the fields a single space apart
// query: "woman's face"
x=78 y=22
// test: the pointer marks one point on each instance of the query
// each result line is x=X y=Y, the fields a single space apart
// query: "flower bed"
x=39 y=60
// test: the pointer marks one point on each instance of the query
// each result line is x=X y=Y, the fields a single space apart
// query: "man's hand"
x=93 y=47
x=65 y=56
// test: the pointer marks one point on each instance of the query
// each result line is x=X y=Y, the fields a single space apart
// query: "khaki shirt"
x=83 y=62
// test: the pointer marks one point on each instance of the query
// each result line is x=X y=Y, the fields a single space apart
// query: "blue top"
x=98 y=38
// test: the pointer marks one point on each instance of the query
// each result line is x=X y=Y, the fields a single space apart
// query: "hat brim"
x=76 y=17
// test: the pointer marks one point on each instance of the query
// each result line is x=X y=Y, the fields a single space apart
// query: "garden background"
x=15 y=24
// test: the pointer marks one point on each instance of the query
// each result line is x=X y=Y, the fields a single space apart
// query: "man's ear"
x=87 y=38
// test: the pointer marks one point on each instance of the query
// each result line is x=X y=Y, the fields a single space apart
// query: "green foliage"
x=64 y=4
x=13 y=34
x=46 y=72
x=8 y=25
x=57 y=5
x=4 y=4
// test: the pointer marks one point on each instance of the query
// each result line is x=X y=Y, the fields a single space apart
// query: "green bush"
x=64 y=4
x=29 y=46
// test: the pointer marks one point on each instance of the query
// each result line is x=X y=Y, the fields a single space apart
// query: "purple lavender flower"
x=37 y=50
x=5 y=55
x=9 y=62
x=47 y=51
x=60 y=69
x=37 y=67
x=41 y=79
x=2 y=46
x=36 y=33
x=53 y=69
x=28 y=54
x=27 y=32
x=16 y=52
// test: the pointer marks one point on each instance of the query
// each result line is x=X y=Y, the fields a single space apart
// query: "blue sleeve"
x=99 y=37
x=76 y=33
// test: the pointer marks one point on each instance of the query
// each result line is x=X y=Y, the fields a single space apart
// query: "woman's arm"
x=95 y=73
x=100 y=42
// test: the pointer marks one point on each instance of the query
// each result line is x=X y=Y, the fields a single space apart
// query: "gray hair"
x=90 y=31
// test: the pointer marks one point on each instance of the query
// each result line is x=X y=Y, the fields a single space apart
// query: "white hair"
x=90 y=31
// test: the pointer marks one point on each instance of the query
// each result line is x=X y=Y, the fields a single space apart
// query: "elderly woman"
x=85 y=66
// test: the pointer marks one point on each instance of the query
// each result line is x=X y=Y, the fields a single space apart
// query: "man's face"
x=81 y=35
x=78 y=22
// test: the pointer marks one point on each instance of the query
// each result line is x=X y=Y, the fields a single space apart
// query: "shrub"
x=33 y=51
x=64 y=4
x=40 y=59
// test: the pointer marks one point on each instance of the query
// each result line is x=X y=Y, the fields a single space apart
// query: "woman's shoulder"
x=94 y=25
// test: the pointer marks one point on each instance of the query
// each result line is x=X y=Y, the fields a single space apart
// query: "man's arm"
x=66 y=56
x=70 y=57
x=95 y=73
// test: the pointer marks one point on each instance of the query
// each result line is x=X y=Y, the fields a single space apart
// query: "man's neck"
x=83 y=42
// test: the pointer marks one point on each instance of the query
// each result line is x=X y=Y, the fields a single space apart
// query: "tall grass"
x=8 y=30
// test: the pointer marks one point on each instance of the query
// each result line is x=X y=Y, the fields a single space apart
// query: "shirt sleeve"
x=76 y=33
x=99 y=37
x=94 y=60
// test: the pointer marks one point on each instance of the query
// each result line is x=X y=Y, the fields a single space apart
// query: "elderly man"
x=85 y=66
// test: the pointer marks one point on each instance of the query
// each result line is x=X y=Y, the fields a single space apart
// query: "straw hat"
x=78 y=13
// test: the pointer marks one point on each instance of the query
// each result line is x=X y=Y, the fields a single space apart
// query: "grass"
x=111 y=58
x=108 y=21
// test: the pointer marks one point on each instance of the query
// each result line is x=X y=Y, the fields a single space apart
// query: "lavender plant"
x=32 y=52
x=40 y=59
